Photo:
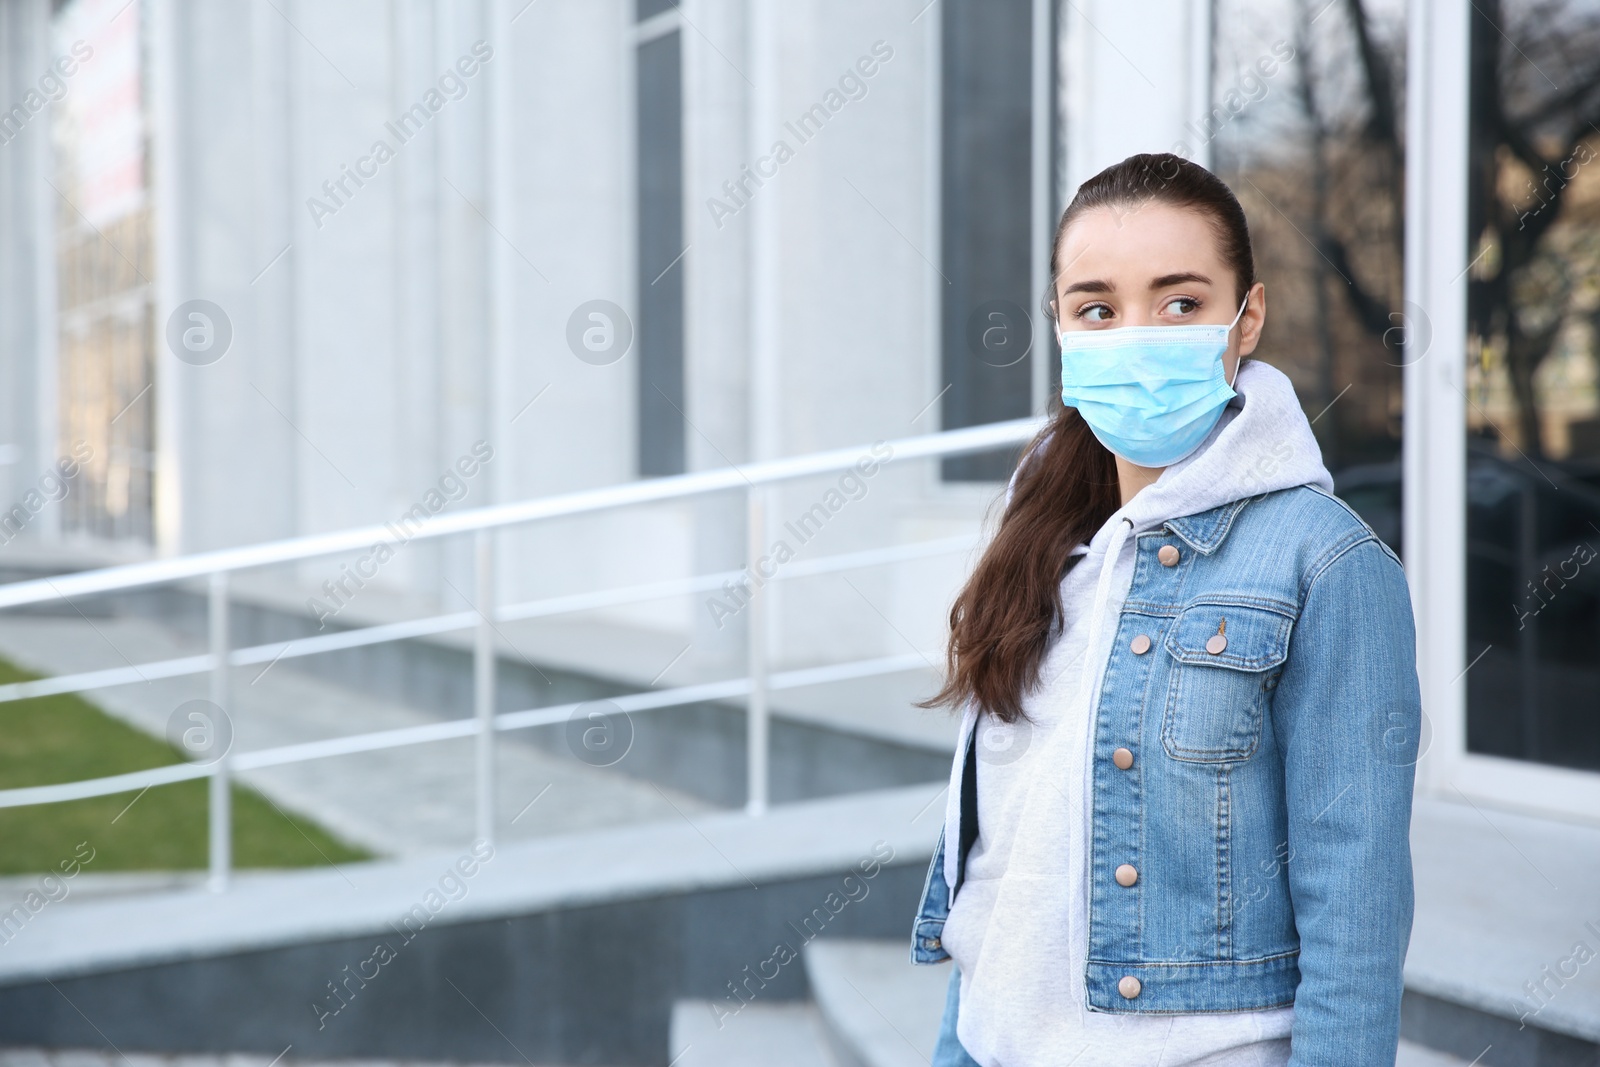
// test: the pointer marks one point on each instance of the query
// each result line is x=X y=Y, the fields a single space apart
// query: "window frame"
x=1433 y=456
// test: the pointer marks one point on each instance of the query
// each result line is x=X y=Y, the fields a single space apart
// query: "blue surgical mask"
x=1151 y=394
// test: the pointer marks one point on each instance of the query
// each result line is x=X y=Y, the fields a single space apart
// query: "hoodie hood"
x=1262 y=442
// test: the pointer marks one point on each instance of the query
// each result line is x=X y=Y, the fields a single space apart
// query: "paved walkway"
x=399 y=802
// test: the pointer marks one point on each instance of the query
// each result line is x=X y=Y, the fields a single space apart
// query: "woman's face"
x=1151 y=265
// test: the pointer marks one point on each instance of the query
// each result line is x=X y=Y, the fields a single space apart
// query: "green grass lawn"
x=64 y=738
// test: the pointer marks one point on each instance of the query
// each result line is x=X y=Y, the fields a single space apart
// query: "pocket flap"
x=1255 y=638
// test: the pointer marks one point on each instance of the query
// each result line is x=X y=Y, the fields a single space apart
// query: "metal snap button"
x=1126 y=875
x=1122 y=758
x=1140 y=644
x=1219 y=640
x=1128 y=986
x=1168 y=555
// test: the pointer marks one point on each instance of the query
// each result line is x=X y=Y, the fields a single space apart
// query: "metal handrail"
x=217 y=566
x=154 y=572
x=360 y=637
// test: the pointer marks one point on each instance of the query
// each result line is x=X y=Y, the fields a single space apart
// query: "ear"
x=1253 y=319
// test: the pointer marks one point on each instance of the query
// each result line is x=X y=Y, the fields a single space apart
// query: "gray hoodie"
x=1017 y=928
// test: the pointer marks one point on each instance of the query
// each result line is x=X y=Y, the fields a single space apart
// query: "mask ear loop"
x=1240 y=313
x=1231 y=325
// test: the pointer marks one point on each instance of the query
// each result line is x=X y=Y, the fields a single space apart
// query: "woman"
x=1212 y=865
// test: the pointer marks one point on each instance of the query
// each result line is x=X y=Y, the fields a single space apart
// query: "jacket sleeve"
x=1347 y=713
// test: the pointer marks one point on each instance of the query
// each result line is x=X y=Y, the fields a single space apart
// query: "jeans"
x=947 y=1051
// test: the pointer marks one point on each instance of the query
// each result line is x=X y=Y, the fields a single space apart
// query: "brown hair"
x=1066 y=486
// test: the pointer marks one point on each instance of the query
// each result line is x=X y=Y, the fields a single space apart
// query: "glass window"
x=1305 y=127
x=660 y=250
x=985 y=218
x=105 y=271
x=1533 y=421
x=651 y=8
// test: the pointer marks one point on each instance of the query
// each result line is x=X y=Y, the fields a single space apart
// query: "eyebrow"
x=1096 y=285
x=1175 y=279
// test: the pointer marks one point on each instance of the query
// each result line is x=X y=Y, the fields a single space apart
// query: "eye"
x=1094 y=312
x=1180 y=306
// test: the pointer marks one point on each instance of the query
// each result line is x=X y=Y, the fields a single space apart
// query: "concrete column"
x=27 y=258
x=1137 y=76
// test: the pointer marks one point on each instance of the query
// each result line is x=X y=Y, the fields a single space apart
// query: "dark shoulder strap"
x=969 y=802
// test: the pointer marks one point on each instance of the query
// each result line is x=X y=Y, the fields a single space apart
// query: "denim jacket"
x=1266 y=809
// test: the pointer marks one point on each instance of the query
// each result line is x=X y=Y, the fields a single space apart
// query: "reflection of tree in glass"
x=1532 y=201
x=1320 y=173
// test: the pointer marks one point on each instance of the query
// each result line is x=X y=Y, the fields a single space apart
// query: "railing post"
x=221 y=807
x=483 y=679
x=756 y=639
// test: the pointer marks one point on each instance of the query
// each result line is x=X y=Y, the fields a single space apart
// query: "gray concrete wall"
x=1501 y=1042
x=584 y=985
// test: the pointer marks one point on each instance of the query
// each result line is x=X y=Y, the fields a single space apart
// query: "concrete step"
x=1505 y=918
x=879 y=1009
x=772 y=1035
x=54 y=1057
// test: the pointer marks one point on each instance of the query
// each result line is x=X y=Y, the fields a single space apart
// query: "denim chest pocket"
x=1226 y=660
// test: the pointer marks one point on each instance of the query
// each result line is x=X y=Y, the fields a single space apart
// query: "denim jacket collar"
x=1205 y=530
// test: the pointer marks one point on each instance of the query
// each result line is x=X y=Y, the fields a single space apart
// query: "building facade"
x=274 y=267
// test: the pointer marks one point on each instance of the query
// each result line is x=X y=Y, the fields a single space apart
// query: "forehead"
x=1128 y=245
